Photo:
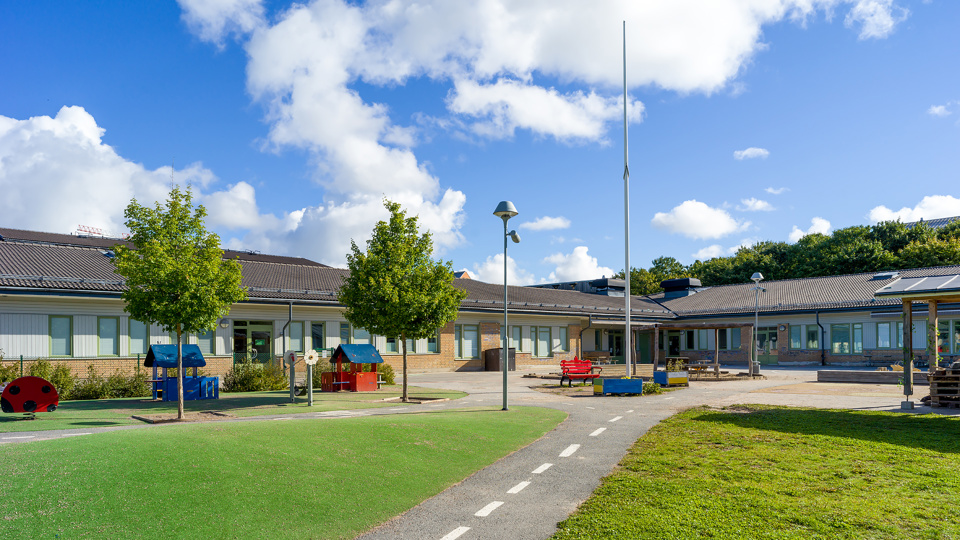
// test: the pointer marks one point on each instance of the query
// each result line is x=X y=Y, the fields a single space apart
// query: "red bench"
x=577 y=369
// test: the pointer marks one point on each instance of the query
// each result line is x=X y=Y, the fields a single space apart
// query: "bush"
x=386 y=371
x=63 y=380
x=8 y=372
x=122 y=386
x=651 y=388
x=40 y=368
x=245 y=376
x=93 y=387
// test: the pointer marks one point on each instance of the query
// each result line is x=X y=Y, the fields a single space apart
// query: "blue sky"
x=750 y=120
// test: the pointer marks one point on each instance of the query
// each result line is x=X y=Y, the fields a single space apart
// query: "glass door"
x=253 y=340
x=615 y=346
x=767 y=345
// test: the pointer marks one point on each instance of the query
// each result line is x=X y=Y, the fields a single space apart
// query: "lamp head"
x=756 y=277
x=514 y=236
x=505 y=210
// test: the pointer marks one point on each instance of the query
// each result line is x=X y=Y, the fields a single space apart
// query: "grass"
x=117 y=412
x=294 y=479
x=772 y=472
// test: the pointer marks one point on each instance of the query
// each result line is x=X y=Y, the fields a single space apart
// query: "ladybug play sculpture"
x=29 y=395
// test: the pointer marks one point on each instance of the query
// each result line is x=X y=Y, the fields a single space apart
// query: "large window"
x=344 y=333
x=813 y=337
x=108 y=329
x=846 y=338
x=796 y=336
x=883 y=335
x=205 y=342
x=316 y=336
x=433 y=343
x=516 y=338
x=466 y=342
x=688 y=340
x=139 y=337
x=540 y=337
x=393 y=346
x=562 y=336
x=943 y=337
x=361 y=336
x=61 y=336
x=296 y=336
x=702 y=340
x=722 y=339
x=734 y=338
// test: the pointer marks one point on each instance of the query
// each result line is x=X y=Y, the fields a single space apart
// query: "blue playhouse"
x=165 y=388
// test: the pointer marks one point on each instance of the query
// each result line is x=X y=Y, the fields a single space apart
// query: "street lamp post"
x=756 y=277
x=505 y=210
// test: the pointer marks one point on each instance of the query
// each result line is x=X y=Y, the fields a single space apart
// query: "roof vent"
x=677 y=287
x=886 y=275
x=108 y=253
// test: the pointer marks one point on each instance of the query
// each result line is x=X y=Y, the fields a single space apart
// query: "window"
x=205 y=342
x=61 y=336
x=688 y=340
x=722 y=339
x=813 y=337
x=857 y=338
x=295 y=332
x=107 y=330
x=840 y=338
x=734 y=338
x=598 y=340
x=796 y=336
x=316 y=336
x=361 y=336
x=433 y=343
x=564 y=342
x=465 y=342
x=344 y=333
x=899 y=335
x=139 y=337
x=540 y=336
x=516 y=337
x=883 y=335
x=943 y=337
x=392 y=347
x=956 y=335
x=702 y=340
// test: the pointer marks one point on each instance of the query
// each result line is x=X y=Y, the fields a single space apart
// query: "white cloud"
x=508 y=104
x=576 y=266
x=212 y=20
x=709 y=252
x=930 y=207
x=56 y=174
x=755 y=205
x=491 y=271
x=876 y=18
x=938 y=110
x=695 y=219
x=776 y=191
x=546 y=223
x=817 y=225
x=751 y=153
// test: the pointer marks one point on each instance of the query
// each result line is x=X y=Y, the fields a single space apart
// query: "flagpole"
x=627 y=341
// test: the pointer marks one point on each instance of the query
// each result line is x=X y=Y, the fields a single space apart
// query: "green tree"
x=176 y=276
x=931 y=253
x=395 y=288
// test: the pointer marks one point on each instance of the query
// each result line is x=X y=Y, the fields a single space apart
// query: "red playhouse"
x=355 y=380
x=29 y=395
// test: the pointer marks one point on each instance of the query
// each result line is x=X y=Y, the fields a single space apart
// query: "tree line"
x=889 y=245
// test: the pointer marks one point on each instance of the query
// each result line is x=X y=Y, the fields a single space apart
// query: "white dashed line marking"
x=518 y=488
x=542 y=468
x=488 y=509
x=278 y=419
x=75 y=434
x=614 y=419
x=18 y=437
x=666 y=398
x=591 y=408
x=597 y=432
x=398 y=409
x=570 y=450
x=456 y=533
x=630 y=411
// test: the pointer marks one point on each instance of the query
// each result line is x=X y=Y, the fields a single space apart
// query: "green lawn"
x=294 y=479
x=769 y=472
x=118 y=412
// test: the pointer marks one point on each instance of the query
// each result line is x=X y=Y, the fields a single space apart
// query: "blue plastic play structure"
x=164 y=387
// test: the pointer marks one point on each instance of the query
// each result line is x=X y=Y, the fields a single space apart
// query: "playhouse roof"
x=358 y=354
x=165 y=356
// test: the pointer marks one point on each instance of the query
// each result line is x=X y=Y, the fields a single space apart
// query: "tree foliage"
x=175 y=274
x=395 y=288
x=889 y=245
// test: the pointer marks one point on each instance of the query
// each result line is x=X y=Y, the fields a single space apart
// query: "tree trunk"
x=179 y=377
x=403 y=341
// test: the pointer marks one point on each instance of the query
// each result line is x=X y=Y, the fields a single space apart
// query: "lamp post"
x=756 y=277
x=506 y=210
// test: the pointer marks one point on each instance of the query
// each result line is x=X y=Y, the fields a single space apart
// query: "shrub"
x=93 y=387
x=245 y=376
x=651 y=388
x=63 y=380
x=386 y=371
x=40 y=368
x=122 y=386
x=8 y=372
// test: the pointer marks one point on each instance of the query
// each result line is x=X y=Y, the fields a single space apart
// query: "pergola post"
x=716 y=351
x=907 y=352
x=933 y=328
x=656 y=346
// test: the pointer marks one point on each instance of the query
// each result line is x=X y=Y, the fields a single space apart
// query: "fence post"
x=21 y=365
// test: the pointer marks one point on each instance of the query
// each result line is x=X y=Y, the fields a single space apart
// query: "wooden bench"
x=577 y=369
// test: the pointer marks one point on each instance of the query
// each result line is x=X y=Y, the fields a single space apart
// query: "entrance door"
x=643 y=348
x=615 y=345
x=767 y=347
x=673 y=343
x=253 y=340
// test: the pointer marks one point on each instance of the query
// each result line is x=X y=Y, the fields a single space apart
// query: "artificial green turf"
x=268 y=479
x=772 y=472
x=118 y=412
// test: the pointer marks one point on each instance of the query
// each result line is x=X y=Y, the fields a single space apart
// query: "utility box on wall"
x=491 y=359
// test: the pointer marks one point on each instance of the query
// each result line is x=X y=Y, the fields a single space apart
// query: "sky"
x=749 y=120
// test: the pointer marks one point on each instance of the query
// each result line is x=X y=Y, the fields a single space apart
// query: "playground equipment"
x=355 y=380
x=164 y=387
x=29 y=395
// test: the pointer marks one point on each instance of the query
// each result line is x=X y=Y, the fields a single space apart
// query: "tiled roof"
x=818 y=293
x=934 y=223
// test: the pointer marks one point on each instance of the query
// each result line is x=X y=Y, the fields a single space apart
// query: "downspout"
x=823 y=336
x=582 y=330
x=283 y=331
x=283 y=341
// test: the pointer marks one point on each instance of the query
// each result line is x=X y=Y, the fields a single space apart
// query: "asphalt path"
x=526 y=494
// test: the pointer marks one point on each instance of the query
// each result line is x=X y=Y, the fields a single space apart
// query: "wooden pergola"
x=933 y=290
